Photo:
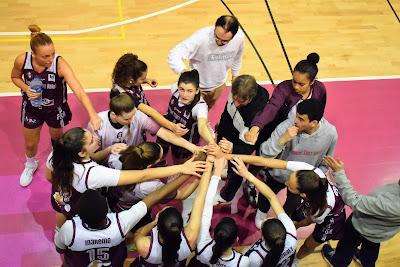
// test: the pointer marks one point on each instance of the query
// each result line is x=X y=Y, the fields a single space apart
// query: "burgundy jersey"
x=104 y=247
x=183 y=114
x=136 y=92
x=55 y=88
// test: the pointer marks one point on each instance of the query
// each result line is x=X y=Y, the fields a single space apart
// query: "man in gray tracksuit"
x=375 y=218
x=308 y=139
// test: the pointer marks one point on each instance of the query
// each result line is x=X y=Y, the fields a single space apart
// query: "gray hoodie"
x=304 y=147
x=376 y=216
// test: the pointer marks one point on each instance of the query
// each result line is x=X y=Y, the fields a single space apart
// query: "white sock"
x=29 y=160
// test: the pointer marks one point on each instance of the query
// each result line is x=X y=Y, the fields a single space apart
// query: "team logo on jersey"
x=30 y=120
x=119 y=135
x=186 y=114
x=61 y=200
x=47 y=102
x=51 y=77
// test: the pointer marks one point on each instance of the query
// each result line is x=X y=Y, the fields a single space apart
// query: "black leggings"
x=348 y=244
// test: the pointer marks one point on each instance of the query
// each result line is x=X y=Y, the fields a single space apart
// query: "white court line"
x=111 y=25
x=168 y=87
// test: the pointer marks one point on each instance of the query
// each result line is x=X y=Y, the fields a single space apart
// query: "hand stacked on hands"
x=252 y=135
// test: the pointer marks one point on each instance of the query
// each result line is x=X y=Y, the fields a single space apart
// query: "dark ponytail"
x=65 y=153
x=225 y=234
x=192 y=77
x=170 y=226
x=274 y=233
x=314 y=187
x=308 y=66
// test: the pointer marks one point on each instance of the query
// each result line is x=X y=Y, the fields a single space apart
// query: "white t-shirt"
x=212 y=61
x=138 y=127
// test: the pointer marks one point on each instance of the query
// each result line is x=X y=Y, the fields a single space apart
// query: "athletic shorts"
x=330 y=229
x=55 y=117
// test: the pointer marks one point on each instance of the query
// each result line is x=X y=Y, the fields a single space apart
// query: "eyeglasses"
x=221 y=40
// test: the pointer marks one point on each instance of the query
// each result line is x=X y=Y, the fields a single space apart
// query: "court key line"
x=168 y=87
x=107 y=26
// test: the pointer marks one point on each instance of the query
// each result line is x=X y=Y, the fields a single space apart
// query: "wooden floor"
x=353 y=38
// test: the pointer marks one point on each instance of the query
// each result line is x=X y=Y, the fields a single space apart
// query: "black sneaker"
x=249 y=191
x=357 y=256
x=327 y=253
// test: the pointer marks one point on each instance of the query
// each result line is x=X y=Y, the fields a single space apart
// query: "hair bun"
x=34 y=29
x=313 y=58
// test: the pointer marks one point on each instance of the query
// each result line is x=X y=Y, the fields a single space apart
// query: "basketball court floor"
x=358 y=42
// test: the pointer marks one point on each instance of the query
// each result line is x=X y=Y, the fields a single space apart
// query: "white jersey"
x=155 y=254
x=212 y=61
x=90 y=175
x=205 y=243
x=130 y=135
x=236 y=259
x=330 y=194
x=104 y=247
x=86 y=175
x=259 y=251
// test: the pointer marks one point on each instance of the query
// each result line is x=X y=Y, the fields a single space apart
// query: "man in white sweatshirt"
x=212 y=50
x=308 y=139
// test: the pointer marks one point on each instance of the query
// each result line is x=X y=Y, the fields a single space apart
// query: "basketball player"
x=212 y=51
x=277 y=246
x=53 y=73
x=143 y=156
x=321 y=202
x=71 y=172
x=217 y=251
x=187 y=107
x=170 y=243
x=123 y=123
x=128 y=76
x=97 y=237
x=287 y=95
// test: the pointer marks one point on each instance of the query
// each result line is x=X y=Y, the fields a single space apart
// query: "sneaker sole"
x=221 y=203
x=325 y=259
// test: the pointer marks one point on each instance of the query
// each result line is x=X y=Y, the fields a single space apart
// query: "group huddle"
x=106 y=178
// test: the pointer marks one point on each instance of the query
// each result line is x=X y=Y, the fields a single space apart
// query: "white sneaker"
x=26 y=176
x=219 y=200
x=260 y=218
